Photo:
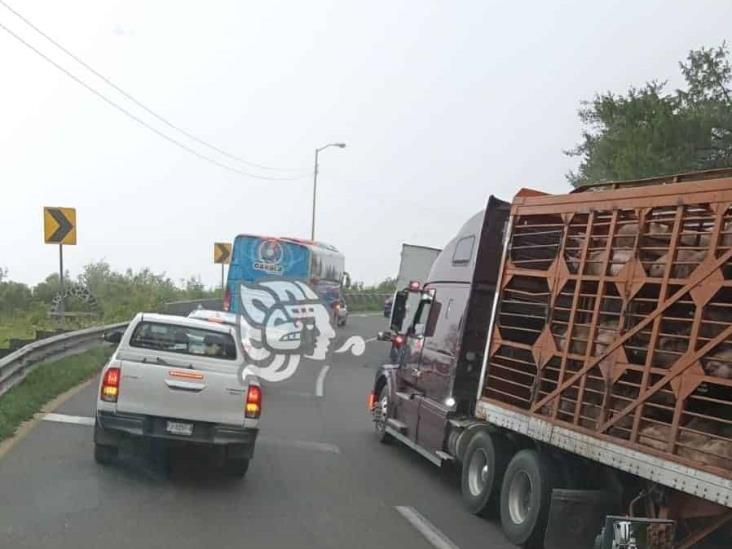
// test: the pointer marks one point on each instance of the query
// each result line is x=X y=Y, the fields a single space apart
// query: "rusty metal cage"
x=615 y=316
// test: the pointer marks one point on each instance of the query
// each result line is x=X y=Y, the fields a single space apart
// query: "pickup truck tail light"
x=110 y=384
x=253 y=406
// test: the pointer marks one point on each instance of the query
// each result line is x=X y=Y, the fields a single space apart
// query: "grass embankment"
x=26 y=327
x=45 y=382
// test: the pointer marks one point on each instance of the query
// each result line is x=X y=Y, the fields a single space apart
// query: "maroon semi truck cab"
x=438 y=375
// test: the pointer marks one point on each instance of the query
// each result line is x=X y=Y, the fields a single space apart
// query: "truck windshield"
x=185 y=340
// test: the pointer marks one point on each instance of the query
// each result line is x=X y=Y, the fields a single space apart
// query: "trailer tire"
x=381 y=412
x=484 y=465
x=526 y=496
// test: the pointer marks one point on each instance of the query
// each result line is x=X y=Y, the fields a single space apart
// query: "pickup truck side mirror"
x=112 y=337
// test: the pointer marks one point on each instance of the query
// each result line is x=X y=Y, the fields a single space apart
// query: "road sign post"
x=222 y=254
x=61 y=275
x=59 y=227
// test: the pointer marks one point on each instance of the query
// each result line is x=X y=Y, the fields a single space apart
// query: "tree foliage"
x=120 y=295
x=649 y=131
x=386 y=286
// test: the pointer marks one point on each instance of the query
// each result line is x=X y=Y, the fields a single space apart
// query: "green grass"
x=22 y=332
x=45 y=382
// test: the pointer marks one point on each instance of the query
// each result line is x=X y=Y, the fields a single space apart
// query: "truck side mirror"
x=383 y=336
x=432 y=318
x=398 y=311
x=346 y=280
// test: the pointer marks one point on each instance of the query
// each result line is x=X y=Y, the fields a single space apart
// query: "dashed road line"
x=66 y=418
x=426 y=528
x=320 y=381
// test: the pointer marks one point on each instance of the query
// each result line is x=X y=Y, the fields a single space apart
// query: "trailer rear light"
x=253 y=406
x=227 y=300
x=110 y=384
x=371 y=400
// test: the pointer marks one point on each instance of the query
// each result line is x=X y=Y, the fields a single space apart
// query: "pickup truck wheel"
x=382 y=407
x=526 y=496
x=236 y=467
x=484 y=464
x=103 y=454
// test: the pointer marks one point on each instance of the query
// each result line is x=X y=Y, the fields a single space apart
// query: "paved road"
x=318 y=479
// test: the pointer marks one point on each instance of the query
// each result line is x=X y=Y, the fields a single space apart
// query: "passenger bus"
x=256 y=258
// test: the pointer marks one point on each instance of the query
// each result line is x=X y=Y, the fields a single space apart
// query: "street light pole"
x=315 y=190
x=315 y=181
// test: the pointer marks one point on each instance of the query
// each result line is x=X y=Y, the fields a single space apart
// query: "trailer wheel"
x=382 y=408
x=484 y=464
x=526 y=496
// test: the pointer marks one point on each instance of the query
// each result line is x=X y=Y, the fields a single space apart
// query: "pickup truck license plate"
x=178 y=428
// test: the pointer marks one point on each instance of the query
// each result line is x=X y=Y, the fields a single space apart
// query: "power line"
x=139 y=120
x=138 y=102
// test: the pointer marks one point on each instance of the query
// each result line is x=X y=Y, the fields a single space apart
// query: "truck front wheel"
x=484 y=465
x=381 y=411
x=526 y=496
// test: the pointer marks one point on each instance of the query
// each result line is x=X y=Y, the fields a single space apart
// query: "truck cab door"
x=409 y=393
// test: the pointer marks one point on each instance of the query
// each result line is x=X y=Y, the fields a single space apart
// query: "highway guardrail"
x=18 y=364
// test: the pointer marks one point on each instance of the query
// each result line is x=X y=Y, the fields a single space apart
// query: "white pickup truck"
x=177 y=379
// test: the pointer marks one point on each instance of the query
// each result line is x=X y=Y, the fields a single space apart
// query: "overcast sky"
x=441 y=104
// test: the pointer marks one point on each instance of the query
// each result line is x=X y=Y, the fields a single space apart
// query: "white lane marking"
x=65 y=418
x=354 y=344
x=301 y=444
x=426 y=528
x=369 y=340
x=360 y=315
x=320 y=381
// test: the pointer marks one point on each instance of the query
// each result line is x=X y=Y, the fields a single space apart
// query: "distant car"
x=388 y=303
x=177 y=380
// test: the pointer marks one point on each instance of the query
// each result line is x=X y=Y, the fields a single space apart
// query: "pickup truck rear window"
x=172 y=338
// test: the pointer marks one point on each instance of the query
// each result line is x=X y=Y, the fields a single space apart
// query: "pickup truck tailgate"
x=181 y=393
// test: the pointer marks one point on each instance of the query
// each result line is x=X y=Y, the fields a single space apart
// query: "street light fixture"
x=315 y=180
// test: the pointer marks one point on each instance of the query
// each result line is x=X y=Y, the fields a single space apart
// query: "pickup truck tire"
x=236 y=467
x=526 y=496
x=382 y=409
x=484 y=465
x=103 y=454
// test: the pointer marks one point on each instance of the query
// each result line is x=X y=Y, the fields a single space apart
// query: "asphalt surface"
x=318 y=479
